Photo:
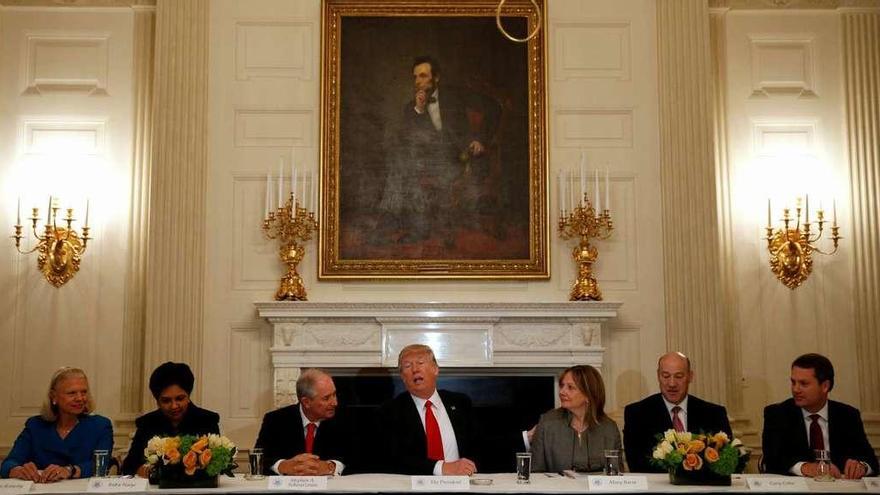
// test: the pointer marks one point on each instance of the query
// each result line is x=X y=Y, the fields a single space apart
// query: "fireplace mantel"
x=518 y=337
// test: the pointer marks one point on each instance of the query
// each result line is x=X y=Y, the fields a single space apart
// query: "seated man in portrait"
x=425 y=430
x=809 y=421
x=672 y=408
x=305 y=439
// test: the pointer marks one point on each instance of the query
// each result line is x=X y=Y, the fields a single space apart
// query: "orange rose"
x=695 y=447
x=711 y=455
x=205 y=457
x=200 y=445
x=172 y=456
x=189 y=462
x=692 y=462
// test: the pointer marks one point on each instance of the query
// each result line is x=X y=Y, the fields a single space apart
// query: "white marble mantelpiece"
x=506 y=337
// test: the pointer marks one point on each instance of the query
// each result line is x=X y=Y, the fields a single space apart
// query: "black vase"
x=175 y=477
x=702 y=477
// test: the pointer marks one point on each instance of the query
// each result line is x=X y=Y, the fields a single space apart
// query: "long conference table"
x=501 y=483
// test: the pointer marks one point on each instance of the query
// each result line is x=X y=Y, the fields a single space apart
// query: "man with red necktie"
x=672 y=408
x=809 y=421
x=305 y=439
x=425 y=430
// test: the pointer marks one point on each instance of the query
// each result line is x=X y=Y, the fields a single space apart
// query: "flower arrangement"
x=190 y=460
x=705 y=457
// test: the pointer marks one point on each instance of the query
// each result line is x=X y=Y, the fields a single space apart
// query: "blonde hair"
x=49 y=411
x=416 y=349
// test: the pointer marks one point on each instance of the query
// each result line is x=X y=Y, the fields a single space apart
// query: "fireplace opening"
x=504 y=405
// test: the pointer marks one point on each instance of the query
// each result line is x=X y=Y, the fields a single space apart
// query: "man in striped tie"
x=306 y=439
x=809 y=421
x=673 y=408
x=427 y=431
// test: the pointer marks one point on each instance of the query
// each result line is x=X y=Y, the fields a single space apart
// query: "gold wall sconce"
x=60 y=249
x=792 y=246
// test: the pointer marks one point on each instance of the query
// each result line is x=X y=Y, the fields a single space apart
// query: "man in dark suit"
x=809 y=421
x=425 y=430
x=672 y=408
x=438 y=157
x=305 y=439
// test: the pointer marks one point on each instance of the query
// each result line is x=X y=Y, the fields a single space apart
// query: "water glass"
x=101 y=463
x=823 y=466
x=255 y=460
x=523 y=467
x=612 y=462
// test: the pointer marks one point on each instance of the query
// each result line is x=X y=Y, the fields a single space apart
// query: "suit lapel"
x=458 y=423
x=665 y=421
x=799 y=435
x=411 y=416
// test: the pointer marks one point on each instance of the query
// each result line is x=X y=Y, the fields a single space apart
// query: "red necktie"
x=816 y=440
x=676 y=420
x=432 y=433
x=310 y=437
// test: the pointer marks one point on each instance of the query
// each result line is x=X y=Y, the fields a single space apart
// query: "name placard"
x=777 y=484
x=298 y=483
x=117 y=485
x=440 y=483
x=12 y=487
x=872 y=485
x=618 y=483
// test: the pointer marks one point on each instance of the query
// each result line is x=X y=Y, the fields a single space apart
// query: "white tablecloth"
x=501 y=483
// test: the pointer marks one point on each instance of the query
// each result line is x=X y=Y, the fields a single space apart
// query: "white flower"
x=156 y=445
x=683 y=436
x=152 y=459
x=227 y=443
x=669 y=436
x=736 y=442
x=658 y=453
x=214 y=440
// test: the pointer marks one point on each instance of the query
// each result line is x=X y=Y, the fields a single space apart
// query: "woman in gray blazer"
x=574 y=436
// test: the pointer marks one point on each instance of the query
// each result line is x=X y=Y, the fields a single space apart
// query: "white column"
x=861 y=67
x=136 y=276
x=691 y=252
x=176 y=256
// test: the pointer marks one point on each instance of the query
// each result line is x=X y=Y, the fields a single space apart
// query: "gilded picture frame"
x=433 y=140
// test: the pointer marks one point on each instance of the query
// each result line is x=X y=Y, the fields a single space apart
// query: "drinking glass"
x=523 y=467
x=823 y=466
x=101 y=463
x=612 y=462
x=255 y=460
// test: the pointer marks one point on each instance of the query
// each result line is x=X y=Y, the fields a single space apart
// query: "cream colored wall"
x=65 y=76
x=784 y=95
x=265 y=83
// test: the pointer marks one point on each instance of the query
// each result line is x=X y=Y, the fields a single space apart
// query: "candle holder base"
x=291 y=288
x=585 y=288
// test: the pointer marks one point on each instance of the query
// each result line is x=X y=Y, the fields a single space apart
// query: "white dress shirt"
x=682 y=414
x=434 y=110
x=447 y=433
x=338 y=466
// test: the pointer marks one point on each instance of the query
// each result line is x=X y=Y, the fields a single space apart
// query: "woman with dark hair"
x=58 y=444
x=574 y=436
x=171 y=384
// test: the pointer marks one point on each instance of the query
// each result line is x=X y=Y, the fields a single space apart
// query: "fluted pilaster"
x=731 y=337
x=861 y=66
x=176 y=255
x=136 y=278
x=692 y=270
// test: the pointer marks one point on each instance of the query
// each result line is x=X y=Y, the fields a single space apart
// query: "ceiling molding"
x=78 y=3
x=792 y=4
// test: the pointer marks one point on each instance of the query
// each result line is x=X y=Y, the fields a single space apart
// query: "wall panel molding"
x=273 y=127
x=593 y=50
x=597 y=127
x=783 y=66
x=257 y=54
x=85 y=136
x=60 y=61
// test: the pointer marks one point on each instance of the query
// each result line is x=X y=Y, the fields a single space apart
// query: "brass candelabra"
x=584 y=223
x=792 y=246
x=292 y=225
x=60 y=249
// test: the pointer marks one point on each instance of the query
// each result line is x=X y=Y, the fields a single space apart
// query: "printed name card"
x=777 y=484
x=618 y=483
x=440 y=483
x=298 y=483
x=872 y=485
x=12 y=487
x=117 y=485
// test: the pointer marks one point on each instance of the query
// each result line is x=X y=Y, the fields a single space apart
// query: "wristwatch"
x=865 y=465
x=71 y=469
